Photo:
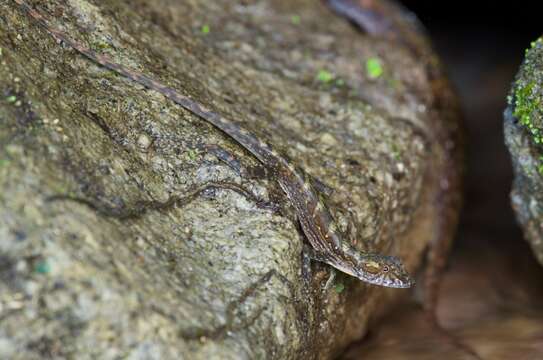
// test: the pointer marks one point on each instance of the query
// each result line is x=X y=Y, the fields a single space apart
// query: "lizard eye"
x=385 y=268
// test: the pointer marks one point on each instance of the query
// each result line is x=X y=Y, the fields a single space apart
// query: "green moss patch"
x=526 y=99
x=527 y=105
x=374 y=69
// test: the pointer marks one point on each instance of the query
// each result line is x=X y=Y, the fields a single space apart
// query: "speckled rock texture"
x=524 y=138
x=89 y=269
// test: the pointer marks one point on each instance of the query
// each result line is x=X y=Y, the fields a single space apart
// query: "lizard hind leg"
x=245 y=172
x=253 y=172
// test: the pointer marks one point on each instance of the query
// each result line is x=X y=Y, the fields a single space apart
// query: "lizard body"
x=315 y=219
x=380 y=18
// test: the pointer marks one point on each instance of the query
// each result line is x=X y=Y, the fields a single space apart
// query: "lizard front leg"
x=252 y=172
x=308 y=255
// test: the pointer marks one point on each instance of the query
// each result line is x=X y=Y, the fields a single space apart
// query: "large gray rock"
x=215 y=274
x=524 y=138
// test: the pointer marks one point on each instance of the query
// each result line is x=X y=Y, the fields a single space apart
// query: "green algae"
x=192 y=154
x=325 y=76
x=527 y=104
x=295 y=19
x=374 y=69
x=4 y=163
x=339 y=287
x=43 y=267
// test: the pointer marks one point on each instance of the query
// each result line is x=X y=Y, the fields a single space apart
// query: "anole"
x=327 y=244
x=380 y=18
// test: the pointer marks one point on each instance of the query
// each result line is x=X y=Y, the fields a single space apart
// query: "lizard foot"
x=330 y=281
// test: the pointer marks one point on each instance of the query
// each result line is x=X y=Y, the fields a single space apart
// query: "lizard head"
x=382 y=270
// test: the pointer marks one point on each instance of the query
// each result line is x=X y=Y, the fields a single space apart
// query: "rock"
x=92 y=267
x=524 y=137
x=496 y=313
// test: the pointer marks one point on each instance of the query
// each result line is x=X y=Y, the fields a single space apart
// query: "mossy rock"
x=524 y=138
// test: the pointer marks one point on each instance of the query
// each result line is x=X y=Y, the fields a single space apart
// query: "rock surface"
x=486 y=302
x=215 y=275
x=524 y=138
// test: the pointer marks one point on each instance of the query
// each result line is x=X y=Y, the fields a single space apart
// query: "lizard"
x=315 y=219
x=371 y=17
x=378 y=18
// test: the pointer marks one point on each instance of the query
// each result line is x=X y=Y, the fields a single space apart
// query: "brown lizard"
x=314 y=217
x=380 y=18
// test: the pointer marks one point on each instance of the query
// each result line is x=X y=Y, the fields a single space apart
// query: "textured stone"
x=524 y=138
x=216 y=275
